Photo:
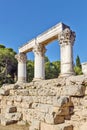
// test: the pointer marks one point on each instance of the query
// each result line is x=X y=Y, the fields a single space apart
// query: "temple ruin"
x=56 y=104
x=66 y=38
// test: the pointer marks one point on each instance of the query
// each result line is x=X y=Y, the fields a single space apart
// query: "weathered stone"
x=35 y=125
x=74 y=90
x=11 y=109
x=13 y=116
x=21 y=122
x=4 y=92
x=60 y=101
x=63 y=126
x=5 y=122
x=9 y=86
x=54 y=119
x=83 y=126
x=22 y=92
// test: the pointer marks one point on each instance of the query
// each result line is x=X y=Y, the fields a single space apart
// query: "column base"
x=37 y=79
x=67 y=74
x=21 y=80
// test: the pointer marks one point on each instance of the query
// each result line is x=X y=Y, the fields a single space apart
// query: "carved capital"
x=66 y=37
x=39 y=50
x=21 y=57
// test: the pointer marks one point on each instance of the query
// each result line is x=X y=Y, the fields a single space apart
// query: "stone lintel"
x=44 y=38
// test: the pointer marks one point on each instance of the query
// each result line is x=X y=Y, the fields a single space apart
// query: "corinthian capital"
x=21 y=57
x=67 y=37
x=39 y=49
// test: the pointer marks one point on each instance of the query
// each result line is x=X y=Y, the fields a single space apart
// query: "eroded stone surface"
x=56 y=103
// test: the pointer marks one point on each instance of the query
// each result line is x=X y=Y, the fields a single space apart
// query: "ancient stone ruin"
x=66 y=38
x=56 y=104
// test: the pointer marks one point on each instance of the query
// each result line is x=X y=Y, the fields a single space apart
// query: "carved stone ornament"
x=39 y=49
x=21 y=57
x=67 y=37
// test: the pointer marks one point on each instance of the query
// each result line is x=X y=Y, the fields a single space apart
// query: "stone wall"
x=58 y=104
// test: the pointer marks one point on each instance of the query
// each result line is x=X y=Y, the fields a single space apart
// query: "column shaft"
x=39 y=68
x=21 y=67
x=66 y=39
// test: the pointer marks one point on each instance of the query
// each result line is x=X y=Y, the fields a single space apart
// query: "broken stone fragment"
x=4 y=92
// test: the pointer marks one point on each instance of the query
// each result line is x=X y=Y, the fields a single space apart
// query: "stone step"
x=13 y=116
x=5 y=121
x=63 y=126
x=10 y=118
x=11 y=109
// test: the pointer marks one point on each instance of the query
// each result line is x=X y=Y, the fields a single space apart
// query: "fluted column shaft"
x=39 y=67
x=21 y=67
x=66 y=40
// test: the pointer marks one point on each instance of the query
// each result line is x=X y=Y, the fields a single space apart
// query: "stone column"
x=66 y=40
x=21 y=67
x=39 y=67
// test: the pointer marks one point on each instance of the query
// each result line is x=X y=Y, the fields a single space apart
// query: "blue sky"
x=22 y=20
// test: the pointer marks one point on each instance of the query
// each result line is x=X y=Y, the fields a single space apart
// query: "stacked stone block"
x=50 y=104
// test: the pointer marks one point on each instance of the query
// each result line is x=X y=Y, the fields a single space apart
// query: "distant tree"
x=46 y=59
x=78 y=68
x=30 y=70
x=8 y=65
x=52 y=69
x=78 y=63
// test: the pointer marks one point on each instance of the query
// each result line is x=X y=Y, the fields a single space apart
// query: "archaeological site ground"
x=55 y=104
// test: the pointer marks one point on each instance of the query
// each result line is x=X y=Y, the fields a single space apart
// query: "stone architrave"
x=21 y=58
x=39 y=68
x=66 y=40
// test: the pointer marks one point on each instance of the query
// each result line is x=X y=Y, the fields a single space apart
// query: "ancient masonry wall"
x=58 y=104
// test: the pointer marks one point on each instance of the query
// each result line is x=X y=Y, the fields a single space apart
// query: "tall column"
x=22 y=58
x=39 y=67
x=66 y=40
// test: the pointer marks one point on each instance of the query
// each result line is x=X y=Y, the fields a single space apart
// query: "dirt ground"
x=14 y=127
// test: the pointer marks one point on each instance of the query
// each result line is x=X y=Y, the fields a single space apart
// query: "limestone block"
x=54 y=119
x=28 y=99
x=64 y=111
x=9 y=86
x=75 y=80
x=19 y=109
x=49 y=99
x=18 y=98
x=17 y=104
x=60 y=101
x=33 y=92
x=12 y=92
x=74 y=90
x=13 y=116
x=83 y=126
x=4 y=92
x=11 y=109
x=47 y=91
x=22 y=92
x=5 y=121
x=63 y=126
x=1 y=97
x=26 y=105
x=35 y=114
x=35 y=125
x=21 y=122
x=41 y=107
